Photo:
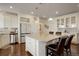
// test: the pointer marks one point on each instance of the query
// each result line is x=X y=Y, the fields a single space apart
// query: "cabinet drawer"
x=30 y=45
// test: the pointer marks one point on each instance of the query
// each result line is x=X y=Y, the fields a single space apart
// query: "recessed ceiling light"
x=32 y=12
x=57 y=12
x=50 y=19
x=11 y=7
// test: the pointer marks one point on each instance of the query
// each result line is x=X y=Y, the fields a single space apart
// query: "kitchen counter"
x=4 y=33
x=4 y=37
x=44 y=37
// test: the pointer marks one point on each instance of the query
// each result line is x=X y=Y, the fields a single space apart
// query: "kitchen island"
x=36 y=43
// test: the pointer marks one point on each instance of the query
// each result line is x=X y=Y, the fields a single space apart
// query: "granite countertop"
x=4 y=33
x=43 y=37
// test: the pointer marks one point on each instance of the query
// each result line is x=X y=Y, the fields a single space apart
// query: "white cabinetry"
x=73 y=21
x=14 y=21
x=4 y=40
x=0 y=42
x=10 y=20
x=35 y=47
x=67 y=21
x=58 y=22
x=30 y=45
x=1 y=20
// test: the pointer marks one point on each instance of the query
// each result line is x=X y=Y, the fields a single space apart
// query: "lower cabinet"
x=30 y=45
x=4 y=40
x=35 y=47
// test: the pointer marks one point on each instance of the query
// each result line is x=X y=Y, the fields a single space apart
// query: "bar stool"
x=56 y=49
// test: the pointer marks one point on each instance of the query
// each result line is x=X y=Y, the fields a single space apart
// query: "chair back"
x=68 y=41
x=58 y=33
x=51 y=32
x=60 y=48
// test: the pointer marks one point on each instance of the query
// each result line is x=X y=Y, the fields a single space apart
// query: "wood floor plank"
x=19 y=50
x=14 y=50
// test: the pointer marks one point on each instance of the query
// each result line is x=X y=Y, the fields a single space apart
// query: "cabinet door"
x=7 y=20
x=62 y=21
x=14 y=21
x=73 y=21
x=1 y=21
x=10 y=20
x=0 y=42
x=58 y=22
x=27 y=43
x=30 y=45
x=67 y=21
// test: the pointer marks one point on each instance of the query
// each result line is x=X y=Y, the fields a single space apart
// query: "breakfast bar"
x=36 y=43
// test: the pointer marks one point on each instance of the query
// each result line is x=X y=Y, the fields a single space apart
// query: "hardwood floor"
x=75 y=50
x=19 y=50
x=14 y=50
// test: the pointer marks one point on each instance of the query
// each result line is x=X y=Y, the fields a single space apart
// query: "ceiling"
x=41 y=9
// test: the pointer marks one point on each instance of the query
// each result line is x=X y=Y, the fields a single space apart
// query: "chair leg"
x=70 y=51
x=46 y=51
x=67 y=52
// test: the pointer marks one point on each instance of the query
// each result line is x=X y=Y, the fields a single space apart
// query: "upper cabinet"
x=58 y=22
x=67 y=21
x=10 y=20
x=62 y=21
x=73 y=21
x=1 y=20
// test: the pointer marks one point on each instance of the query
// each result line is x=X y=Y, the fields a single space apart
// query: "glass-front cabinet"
x=58 y=22
x=62 y=22
x=73 y=21
x=66 y=22
x=69 y=24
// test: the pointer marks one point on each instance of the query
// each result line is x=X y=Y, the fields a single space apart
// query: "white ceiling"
x=45 y=9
